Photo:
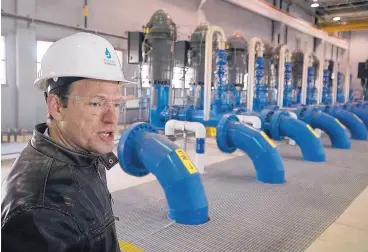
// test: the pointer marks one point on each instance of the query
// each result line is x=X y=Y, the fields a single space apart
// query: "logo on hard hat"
x=107 y=53
x=109 y=61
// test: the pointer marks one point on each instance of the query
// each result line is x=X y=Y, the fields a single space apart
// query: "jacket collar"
x=49 y=148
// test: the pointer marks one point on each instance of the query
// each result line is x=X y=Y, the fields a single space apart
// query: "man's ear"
x=55 y=107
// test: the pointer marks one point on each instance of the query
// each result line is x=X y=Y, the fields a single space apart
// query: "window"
x=42 y=47
x=3 y=62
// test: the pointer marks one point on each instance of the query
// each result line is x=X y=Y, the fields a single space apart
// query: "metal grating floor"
x=247 y=215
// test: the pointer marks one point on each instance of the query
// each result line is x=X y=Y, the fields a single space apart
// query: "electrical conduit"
x=141 y=151
x=232 y=135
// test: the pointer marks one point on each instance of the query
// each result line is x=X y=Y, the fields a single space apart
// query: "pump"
x=237 y=51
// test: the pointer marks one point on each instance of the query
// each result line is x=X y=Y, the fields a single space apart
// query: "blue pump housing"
x=142 y=151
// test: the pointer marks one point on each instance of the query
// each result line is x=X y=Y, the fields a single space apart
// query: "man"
x=56 y=195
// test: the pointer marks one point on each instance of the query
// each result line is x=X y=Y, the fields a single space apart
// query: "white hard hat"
x=83 y=55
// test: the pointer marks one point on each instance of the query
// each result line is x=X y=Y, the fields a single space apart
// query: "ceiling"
x=341 y=7
x=355 y=11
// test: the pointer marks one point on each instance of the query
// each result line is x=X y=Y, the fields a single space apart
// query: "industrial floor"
x=347 y=232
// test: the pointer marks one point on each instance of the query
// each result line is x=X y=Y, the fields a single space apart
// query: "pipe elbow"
x=333 y=128
x=362 y=114
x=352 y=122
x=310 y=144
x=170 y=127
x=141 y=151
x=232 y=135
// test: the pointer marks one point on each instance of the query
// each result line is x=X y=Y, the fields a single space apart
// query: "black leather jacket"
x=57 y=200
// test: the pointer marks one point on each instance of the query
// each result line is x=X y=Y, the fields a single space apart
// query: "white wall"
x=358 y=53
x=114 y=17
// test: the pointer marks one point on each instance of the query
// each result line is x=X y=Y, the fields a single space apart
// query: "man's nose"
x=110 y=116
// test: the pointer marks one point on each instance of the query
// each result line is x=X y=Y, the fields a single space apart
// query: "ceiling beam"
x=269 y=11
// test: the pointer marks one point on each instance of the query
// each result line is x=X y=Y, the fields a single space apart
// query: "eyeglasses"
x=98 y=105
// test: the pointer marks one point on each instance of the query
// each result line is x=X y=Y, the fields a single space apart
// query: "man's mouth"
x=107 y=135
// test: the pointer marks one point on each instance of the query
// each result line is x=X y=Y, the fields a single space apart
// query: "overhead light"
x=336 y=19
x=314 y=5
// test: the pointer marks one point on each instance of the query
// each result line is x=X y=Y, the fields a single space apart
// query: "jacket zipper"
x=106 y=189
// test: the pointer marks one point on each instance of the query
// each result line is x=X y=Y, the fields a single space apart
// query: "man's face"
x=90 y=120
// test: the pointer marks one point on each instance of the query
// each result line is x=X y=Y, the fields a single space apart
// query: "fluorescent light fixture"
x=314 y=5
x=336 y=19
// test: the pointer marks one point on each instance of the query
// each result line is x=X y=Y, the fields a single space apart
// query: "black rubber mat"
x=247 y=215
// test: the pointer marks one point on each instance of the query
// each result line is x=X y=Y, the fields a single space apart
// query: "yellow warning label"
x=272 y=143
x=312 y=130
x=342 y=125
x=128 y=247
x=186 y=161
x=358 y=118
x=85 y=11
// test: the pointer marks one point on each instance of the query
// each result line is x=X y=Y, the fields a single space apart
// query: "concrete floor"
x=349 y=232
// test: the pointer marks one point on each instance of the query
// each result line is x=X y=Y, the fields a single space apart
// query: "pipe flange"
x=221 y=133
x=188 y=113
x=300 y=112
x=275 y=125
x=305 y=113
x=126 y=148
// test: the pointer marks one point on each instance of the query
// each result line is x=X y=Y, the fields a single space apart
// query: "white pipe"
x=200 y=133
x=319 y=80
x=283 y=58
x=293 y=115
x=251 y=68
x=255 y=121
x=334 y=83
x=303 y=98
x=347 y=84
x=208 y=66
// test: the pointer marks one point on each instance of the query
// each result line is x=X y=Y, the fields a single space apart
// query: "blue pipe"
x=310 y=145
x=288 y=89
x=340 y=94
x=162 y=98
x=279 y=124
x=232 y=135
x=359 y=111
x=326 y=91
x=141 y=151
x=311 y=89
x=352 y=122
x=330 y=125
x=260 y=96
